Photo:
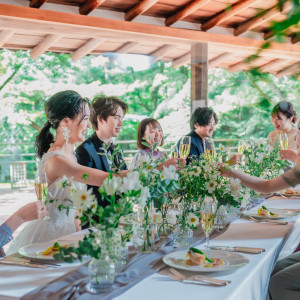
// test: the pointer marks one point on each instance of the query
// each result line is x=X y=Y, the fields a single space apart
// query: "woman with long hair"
x=68 y=115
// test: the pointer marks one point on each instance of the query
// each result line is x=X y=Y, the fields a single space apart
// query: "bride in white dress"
x=68 y=114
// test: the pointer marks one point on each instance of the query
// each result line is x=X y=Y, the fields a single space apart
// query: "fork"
x=268 y=220
x=200 y=278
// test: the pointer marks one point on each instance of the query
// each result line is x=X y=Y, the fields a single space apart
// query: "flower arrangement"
x=201 y=179
x=107 y=238
x=262 y=160
x=161 y=182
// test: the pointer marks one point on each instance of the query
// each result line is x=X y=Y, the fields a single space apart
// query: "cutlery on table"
x=268 y=220
x=250 y=250
x=24 y=264
x=200 y=278
x=68 y=291
x=28 y=262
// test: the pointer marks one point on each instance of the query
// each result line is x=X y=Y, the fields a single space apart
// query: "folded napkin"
x=140 y=266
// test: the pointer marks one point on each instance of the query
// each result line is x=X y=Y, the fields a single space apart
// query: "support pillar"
x=199 y=75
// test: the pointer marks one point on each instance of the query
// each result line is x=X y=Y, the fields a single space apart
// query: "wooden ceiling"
x=165 y=29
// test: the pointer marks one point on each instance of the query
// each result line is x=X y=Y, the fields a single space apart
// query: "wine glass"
x=41 y=186
x=284 y=142
x=185 y=147
x=174 y=152
x=241 y=147
x=209 y=148
x=207 y=220
x=220 y=217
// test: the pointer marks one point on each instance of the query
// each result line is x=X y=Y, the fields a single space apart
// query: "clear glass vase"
x=150 y=236
x=182 y=236
x=121 y=257
x=101 y=275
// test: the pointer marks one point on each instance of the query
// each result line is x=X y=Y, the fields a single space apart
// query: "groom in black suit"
x=203 y=121
x=107 y=120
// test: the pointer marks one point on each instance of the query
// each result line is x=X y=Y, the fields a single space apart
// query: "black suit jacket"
x=196 y=146
x=89 y=154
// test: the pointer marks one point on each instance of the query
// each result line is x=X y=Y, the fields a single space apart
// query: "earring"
x=66 y=133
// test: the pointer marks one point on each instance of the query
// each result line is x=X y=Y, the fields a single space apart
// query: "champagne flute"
x=41 y=186
x=207 y=220
x=241 y=147
x=185 y=147
x=209 y=148
x=174 y=152
x=284 y=142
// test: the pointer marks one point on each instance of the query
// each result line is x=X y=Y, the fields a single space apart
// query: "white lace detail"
x=58 y=224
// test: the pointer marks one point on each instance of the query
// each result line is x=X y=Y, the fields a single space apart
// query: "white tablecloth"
x=249 y=282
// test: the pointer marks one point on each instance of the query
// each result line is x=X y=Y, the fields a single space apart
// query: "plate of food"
x=290 y=193
x=196 y=260
x=270 y=213
x=43 y=251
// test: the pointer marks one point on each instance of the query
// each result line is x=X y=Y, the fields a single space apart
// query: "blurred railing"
x=30 y=158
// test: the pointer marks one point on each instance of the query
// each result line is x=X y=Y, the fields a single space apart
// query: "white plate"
x=232 y=261
x=281 y=214
x=34 y=251
x=291 y=195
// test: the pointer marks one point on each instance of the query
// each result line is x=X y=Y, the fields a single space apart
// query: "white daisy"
x=83 y=198
x=192 y=220
x=221 y=147
x=211 y=186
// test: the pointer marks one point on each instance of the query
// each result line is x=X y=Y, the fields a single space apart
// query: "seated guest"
x=107 y=120
x=149 y=132
x=68 y=115
x=285 y=278
x=203 y=121
x=283 y=117
x=28 y=212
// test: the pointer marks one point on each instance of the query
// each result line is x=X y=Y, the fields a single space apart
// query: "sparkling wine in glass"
x=185 y=147
x=209 y=148
x=41 y=186
x=284 y=142
x=174 y=152
x=207 y=220
x=241 y=147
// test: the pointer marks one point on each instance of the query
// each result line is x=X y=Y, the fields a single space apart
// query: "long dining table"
x=248 y=282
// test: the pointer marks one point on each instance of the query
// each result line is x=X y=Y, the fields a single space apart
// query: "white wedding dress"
x=58 y=224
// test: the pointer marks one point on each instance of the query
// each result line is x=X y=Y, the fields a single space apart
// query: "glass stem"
x=207 y=240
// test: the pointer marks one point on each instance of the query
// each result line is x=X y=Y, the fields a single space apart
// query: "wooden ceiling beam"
x=276 y=63
x=89 y=5
x=139 y=9
x=87 y=48
x=243 y=65
x=5 y=35
x=44 y=45
x=30 y=21
x=257 y=21
x=37 y=3
x=162 y=51
x=219 y=59
x=186 y=11
x=238 y=67
x=127 y=47
x=182 y=60
x=294 y=68
x=226 y=14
